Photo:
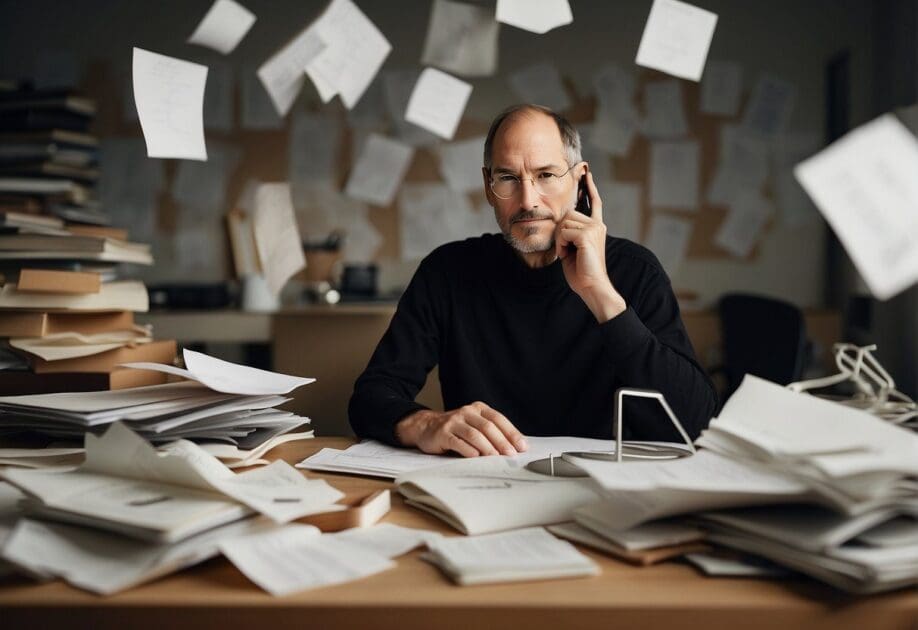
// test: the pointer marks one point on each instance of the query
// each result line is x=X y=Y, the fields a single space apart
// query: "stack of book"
x=65 y=322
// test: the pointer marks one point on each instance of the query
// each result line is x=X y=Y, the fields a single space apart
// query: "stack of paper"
x=853 y=474
x=222 y=402
x=526 y=554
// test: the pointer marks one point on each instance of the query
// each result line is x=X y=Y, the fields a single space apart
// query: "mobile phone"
x=583 y=197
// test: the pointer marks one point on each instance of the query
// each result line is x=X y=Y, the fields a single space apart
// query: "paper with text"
x=461 y=163
x=283 y=74
x=461 y=38
x=223 y=27
x=537 y=16
x=668 y=238
x=674 y=174
x=676 y=39
x=379 y=170
x=169 y=94
x=437 y=102
x=743 y=226
x=277 y=237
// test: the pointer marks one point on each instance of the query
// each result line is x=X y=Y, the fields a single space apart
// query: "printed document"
x=676 y=39
x=223 y=27
x=437 y=102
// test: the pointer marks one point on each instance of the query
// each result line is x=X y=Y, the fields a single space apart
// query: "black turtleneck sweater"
x=522 y=341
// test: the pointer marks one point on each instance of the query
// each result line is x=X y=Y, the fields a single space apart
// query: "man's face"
x=526 y=146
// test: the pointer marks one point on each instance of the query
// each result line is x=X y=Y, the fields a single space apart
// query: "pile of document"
x=818 y=487
x=228 y=407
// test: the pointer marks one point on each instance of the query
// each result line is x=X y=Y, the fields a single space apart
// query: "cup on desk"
x=256 y=296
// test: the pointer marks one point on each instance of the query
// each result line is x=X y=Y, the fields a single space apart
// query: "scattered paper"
x=230 y=378
x=721 y=88
x=354 y=53
x=223 y=27
x=461 y=163
x=742 y=166
x=431 y=215
x=277 y=238
x=437 y=102
x=537 y=16
x=312 y=153
x=674 y=175
x=865 y=186
x=379 y=170
x=397 y=88
x=258 y=111
x=169 y=94
x=461 y=38
x=540 y=84
x=283 y=74
x=386 y=539
x=744 y=224
x=770 y=106
x=617 y=117
x=664 y=114
x=622 y=210
x=612 y=132
x=70 y=345
x=676 y=39
x=668 y=238
x=298 y=557
x=369 y=114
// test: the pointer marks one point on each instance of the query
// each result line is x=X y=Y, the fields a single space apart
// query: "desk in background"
x=416 y=595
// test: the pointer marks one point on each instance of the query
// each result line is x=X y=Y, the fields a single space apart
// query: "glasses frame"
x=528 y=179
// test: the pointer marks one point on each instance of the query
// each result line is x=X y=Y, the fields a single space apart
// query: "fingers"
x=457 y=444
x=509 y=432
x=473 y=430
x=595 y=200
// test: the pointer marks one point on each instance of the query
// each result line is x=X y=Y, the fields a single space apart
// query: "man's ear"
x=582 y=169
x=486 y=176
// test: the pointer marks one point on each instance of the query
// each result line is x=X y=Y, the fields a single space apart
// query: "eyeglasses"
x=546 y=183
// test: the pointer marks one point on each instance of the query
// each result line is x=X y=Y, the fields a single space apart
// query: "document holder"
x=631 y=450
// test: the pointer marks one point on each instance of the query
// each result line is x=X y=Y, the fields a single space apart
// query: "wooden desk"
x=416 y=595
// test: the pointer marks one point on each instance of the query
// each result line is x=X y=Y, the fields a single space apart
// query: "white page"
x=674 y=174
x=277 y=238
x=595 y=516
x=227 y=377
x=437 y=102
x=743 y=226
x=622 y=210
x=461 y=163
x=258 y=110
x=297 y=557
x=398 y=86
x=354 y=53
x=742 y=166
x=865 y=186
x=721 y=88
x=169 y=94
x=219 y=97
x=668 y=238
x=722 y=566
x=770 y=106
x=537 y=16
x=89 y=402
x=104 y=563
x=541 y=84
x=431 y=215
x=283 y=74
x=461 y=38
x=664 y=114
x=386 y=539
x=676 y=39
x=223 y=26
x=59 y=346
x=378 y=172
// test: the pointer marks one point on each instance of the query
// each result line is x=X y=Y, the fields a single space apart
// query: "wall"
x=789 y=38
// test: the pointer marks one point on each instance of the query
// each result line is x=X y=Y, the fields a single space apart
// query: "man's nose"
x=529 y=196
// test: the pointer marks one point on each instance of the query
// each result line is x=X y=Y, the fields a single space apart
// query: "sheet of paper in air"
x=398 y=86
x=664 y=114
x=461 y=38
x=431 y=215
x=622 y=210
x=283 y=73
x=354 y=53
x=865 y=186
x=230 y=378
x=770 y=106
x=461 y=162
x=743 y=226
x=223 y=27
x=788 y=150
x=721 y=88
x=668 y=238
x=437 y=102
x=258 y=111
x=743 y=165
x=379 y=170
x=169 y=94
x=541 y=84
x=277 y=238
x=201 y=186
x=676 y=39
x=298 y=557
x=537 y=16
x=674 y=174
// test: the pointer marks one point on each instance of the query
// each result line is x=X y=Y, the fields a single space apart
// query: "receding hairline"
x=570 y=138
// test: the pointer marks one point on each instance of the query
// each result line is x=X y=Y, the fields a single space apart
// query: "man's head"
x=532 y=164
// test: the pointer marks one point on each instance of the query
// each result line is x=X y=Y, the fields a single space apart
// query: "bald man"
x=535 y=328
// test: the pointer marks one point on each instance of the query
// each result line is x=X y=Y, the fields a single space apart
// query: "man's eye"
x=506 y=178
x=547 y=175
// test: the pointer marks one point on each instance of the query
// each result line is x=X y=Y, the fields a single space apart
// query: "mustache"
x=528 y=215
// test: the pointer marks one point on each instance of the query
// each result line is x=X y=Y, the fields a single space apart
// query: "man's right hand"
x=473 y=430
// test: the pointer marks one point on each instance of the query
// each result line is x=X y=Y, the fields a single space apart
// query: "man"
x=533 y=330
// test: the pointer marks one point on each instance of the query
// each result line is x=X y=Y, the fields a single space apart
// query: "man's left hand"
x=585 y=266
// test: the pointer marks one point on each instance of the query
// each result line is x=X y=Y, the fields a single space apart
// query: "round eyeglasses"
x=546 y=183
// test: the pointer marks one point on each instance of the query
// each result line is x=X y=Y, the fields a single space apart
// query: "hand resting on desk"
x=472 y=430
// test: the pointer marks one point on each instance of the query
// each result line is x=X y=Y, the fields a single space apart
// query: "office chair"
x=761 y=336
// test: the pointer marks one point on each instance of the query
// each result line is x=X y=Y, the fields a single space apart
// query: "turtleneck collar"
x=520 y=274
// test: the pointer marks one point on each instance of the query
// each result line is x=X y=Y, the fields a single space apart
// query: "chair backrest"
x=761 y=336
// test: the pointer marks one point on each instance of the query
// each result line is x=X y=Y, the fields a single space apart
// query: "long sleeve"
x=385 y=392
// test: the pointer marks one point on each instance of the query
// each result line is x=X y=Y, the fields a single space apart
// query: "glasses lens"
x=505 y=188
x=548 y=184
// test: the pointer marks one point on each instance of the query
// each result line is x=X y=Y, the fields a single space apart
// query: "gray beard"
x=525 y=247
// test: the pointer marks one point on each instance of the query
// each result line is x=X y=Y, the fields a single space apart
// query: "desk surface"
x=416 y=595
